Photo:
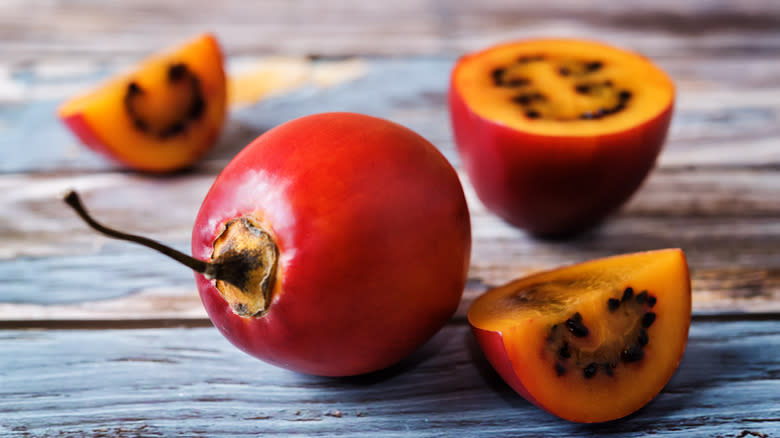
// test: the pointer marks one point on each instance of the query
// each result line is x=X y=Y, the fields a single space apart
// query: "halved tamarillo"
x=162 y=116
x=590 y=342
x=334 y=244
x=555 y=134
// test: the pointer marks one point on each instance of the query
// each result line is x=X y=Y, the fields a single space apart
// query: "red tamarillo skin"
x=557 y=134
x=590 y=342
x=373 y=238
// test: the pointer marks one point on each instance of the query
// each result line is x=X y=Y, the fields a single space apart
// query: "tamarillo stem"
x=209 y=270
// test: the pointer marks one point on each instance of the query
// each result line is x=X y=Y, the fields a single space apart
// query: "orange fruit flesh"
x=533 y=316
x=160 y=104
x=563 y=87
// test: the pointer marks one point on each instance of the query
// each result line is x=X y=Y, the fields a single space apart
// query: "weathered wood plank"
x=191 y=382
x=716 y=187
x=724 y=116
x=53 y=266
x=105 y=30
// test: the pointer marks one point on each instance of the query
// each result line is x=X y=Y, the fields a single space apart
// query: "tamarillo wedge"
x=556 y=134
x=591 y=342
x=162 y=116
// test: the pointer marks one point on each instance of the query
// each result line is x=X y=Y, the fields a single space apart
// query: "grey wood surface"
x=106 y=29
x=715 y=193
x=100 y=338
x=191 y=382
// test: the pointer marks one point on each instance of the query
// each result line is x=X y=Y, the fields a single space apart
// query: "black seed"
x=618 y=108
x=197 y=108
x=141 y=125
x=641 y=297
x=601 y=112
x=516 y=82
x=607 y=83
x=590 y=370
x=648 y=319
x=564 y=71
x=624 y=95
x=525 y=99
x=134 y=89
x=613 y=304
x=576 y=327
x=582 y=88
x=172 y=130
x=643 y=339
x=564 y=352
x=587 y=116
x=651 y=301
x=177 y=72
x=632 y=354
x=593 y=66
x=628 y=294
x=559 y=369
x=498 y=75
x=532 y=114
x=608 y=369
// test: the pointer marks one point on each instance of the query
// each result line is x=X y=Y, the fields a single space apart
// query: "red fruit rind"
x=373 y=235
x=492 y=344
x=514 y=333
x=552 y=176
x=162 y=116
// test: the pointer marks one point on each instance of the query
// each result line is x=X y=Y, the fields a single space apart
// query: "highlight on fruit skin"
x=334 y=244
x=372 y=236
x=162 y=116
x=591 y=342
x=556 y=134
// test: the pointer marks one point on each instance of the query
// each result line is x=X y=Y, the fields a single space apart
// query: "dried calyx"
x=243 y=263
x=185 y=90
x=595 y=94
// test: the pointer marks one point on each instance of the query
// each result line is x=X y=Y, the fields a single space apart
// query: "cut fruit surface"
x=563 y=87
x=590 y=342
x=162 y=116
x=556 y=134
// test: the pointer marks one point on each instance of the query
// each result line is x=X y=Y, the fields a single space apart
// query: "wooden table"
x=99 y=338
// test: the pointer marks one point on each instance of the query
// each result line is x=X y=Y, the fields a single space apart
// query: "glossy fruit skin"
x=374 y=242
x=492 y=345
x=99 y=120
x=500 y=347
x=553 y=185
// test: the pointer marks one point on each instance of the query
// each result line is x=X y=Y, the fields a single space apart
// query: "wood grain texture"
x=191 y=382
x=727 y=112
x=110 y=29
x=117 y=341
x=56 y=267
x=715 y=192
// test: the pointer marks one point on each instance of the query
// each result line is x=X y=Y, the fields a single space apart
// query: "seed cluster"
x=580 y=72
x=177 y=73
x=601 y=88
x=563 y=337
